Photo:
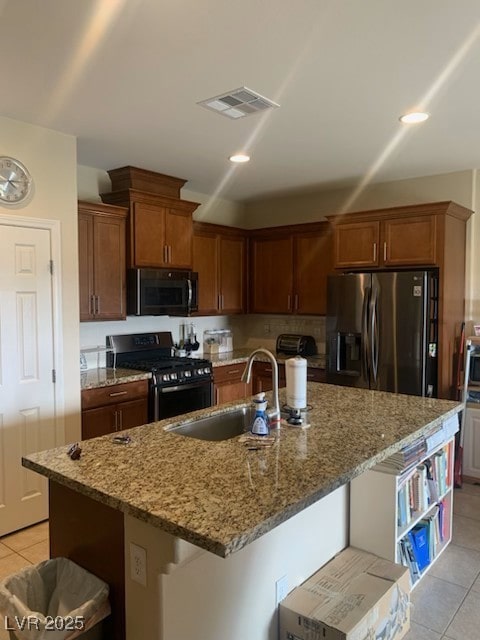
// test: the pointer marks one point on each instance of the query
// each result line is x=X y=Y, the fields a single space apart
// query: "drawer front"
x=114 y=394
x=228 y=373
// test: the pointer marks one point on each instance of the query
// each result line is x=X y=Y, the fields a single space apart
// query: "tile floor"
x=445 y=606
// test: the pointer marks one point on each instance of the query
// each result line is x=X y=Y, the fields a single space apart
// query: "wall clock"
x=15 y=181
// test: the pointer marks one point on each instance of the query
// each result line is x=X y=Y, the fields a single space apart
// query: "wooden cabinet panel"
x=313 y=262
x=98 y=422
x=113 y=394
x=205 y=264
x=109 y=268
x=232 y=274
x=316 y=375
x=178 y=238
x=289 y=268
x=272 y=275
x=160 y=228
x=132 y=414
x=220 y=260
x=262 y=376
x=85 y=265
x=409 y=241
x=356 y=244
x=147 y=235
x=101 y=241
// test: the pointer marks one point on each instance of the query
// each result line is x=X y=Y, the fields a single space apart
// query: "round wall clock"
x=15 y=181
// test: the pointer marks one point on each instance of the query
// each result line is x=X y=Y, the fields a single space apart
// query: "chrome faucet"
x=274 y=415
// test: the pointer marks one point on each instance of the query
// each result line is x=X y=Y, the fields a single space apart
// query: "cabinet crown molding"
x=446 y=207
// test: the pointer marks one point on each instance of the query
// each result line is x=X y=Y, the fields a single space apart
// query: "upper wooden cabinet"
x=393 y=238
x=160 y=226
x=219 y=257
x=101 y=240
x=289 y=268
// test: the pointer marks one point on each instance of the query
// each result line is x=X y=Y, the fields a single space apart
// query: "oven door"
x=168 y=402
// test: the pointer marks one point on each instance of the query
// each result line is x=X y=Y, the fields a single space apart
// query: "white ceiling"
x=124 y=76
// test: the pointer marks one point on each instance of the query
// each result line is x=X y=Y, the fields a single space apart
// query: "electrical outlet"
x=281 y=589
x=138 y=564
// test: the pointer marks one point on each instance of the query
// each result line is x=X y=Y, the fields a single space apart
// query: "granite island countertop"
x=105 y=377
x=221 y=496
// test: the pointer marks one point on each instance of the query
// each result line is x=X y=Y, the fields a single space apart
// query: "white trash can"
x=54 y=600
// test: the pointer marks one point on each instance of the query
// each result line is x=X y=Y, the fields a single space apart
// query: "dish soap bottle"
x=260 y=425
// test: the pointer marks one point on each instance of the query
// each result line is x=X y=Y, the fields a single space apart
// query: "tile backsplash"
x=250 y=331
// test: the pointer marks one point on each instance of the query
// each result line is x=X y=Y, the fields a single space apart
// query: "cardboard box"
x=356 y=596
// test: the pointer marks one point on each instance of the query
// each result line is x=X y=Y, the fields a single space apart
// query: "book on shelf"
x=419 y=537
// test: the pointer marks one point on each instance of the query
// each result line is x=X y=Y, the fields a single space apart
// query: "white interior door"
x=27 y=391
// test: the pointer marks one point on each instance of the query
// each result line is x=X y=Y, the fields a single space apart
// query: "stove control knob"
x=173 y=376
x=207 y=370
x=199 y=372
x=165 y=377
x=188 y=374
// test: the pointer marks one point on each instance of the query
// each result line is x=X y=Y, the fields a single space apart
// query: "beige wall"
x=51 y=158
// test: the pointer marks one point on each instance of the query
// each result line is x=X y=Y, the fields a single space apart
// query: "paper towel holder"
x=295 y=417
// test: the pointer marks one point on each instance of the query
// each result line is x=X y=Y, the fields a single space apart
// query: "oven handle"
x=190 y=294
x=181 y=387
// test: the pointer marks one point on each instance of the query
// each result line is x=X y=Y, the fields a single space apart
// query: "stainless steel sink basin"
x=221 y=426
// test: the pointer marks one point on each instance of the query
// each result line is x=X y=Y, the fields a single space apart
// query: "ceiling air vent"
x=238 y=103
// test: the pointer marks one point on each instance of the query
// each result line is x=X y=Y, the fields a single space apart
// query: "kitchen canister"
x=296 y=374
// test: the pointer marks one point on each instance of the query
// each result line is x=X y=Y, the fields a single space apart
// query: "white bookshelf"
x=374 y=511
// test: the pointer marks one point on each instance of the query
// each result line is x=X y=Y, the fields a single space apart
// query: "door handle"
x=120 y=420
x=219 y=302
x=98 y=305
x=374 y=251
x=165 y=253
x=365 y=333
x=91 y=306
x=289 y=302
x=374 y=334
x=115 y=414
x=295 y=304
x=384 y=251
x=114 y=394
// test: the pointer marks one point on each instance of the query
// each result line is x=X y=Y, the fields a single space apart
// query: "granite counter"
x=105 y=377
x=239 y=356
x=221 y=496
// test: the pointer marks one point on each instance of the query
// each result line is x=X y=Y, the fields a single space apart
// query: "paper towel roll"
x=296 y=374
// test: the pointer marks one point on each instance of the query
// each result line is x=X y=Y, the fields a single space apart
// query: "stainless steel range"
x=178 y=385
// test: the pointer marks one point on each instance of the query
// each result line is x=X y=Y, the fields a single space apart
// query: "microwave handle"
x=190 y=294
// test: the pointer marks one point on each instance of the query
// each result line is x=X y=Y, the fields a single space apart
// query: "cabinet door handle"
x=98 y=305
x=233 y=371
x=217 y=395
x=114 y=394
x=223 y=301
x=268 y=370
x=374 y=251
x=165 y=254
x=296 y=302
x=384 y=251
x=219 y=302
x=289 y=302
x=120 y=416
x=116 y=420
x=169 y=254
x=91 y=306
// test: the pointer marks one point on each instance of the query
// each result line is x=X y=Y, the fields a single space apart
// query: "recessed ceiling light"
x=414 y=117
x=239 y=157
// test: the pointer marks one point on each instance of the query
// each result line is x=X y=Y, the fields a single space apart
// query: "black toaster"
x=296 y=345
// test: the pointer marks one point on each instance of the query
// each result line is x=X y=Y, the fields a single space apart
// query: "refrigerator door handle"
x=374 y=338
x=365 y=334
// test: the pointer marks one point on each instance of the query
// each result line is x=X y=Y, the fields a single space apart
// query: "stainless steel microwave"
x=161 y=292
x=475 y=367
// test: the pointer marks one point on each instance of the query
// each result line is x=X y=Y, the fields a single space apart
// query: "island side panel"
x=92 y=535
x=192 y=593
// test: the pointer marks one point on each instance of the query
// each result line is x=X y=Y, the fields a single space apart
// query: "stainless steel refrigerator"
x=382 y=331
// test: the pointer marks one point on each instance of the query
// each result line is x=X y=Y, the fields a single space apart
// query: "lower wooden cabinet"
x=471 y=447
x=228 y=383
x=262 y=376
x=113 y=408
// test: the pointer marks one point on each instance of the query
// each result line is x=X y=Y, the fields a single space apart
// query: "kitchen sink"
x=221 y=426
